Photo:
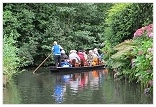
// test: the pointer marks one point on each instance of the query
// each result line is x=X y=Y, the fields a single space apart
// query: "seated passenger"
x=73 y=55
x=85 y=56
x=63 y=55
x=92 y=58
x=74 y=63
x=82 y=58
x=97 y=59
x=65 y=63
x=95 y=51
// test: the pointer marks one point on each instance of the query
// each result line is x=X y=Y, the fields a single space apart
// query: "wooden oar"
x=41 y=64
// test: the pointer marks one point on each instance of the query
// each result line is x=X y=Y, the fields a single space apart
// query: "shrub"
x=10 y=59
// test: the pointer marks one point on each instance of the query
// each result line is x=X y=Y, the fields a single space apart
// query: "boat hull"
x=75 y=69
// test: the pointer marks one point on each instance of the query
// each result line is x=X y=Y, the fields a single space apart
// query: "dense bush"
x=36 y=25
x=124 y=18
x=143 y=60
x=10 y=59
x=133 y=58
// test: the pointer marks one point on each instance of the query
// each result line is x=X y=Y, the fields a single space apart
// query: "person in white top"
x=96 y=52
x=73 y=55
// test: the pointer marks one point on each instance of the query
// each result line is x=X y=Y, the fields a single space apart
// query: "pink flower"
x=147 y=29
x=139 y=32
x=150 y=26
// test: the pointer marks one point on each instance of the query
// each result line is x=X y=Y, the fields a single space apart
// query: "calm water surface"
x=94 y=87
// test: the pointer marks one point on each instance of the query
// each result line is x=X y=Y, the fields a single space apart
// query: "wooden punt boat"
x=75 y=69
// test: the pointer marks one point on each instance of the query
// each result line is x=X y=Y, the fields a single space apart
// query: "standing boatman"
x=56 y=50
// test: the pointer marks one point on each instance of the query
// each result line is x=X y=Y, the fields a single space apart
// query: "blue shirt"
x=56 y=50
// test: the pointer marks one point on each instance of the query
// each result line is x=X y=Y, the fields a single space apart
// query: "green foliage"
x=134 y=59
x=124 y=18
x=123 y=49
x=121 y=22
x=36 y=25
x=144 y=60
x=10 y=59
x=108 y=51
x=26 y=53
x=115 y=23
x=121 y=56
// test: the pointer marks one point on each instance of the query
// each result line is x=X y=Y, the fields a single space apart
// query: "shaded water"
x=94 y=87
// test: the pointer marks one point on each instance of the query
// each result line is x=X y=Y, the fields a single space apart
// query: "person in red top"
x=82 y=58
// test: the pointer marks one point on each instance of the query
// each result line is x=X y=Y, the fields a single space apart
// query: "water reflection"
x=94 y=80
x=77 y=82
x=60 y=87
x=74 y=83
x=92 y=87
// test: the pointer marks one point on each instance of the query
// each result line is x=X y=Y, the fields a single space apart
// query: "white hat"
x=90 y=51
x=74 y=51
x=62 y=51
x=95 y=49
x=71 y=51
x=55 y=43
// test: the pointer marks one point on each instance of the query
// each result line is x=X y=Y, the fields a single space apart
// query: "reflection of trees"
x=130 y=93
x=11 y=94
x=121 y=92
x=34 y=89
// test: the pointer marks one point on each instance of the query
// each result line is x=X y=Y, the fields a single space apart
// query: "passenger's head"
x=95 y=49
x=62 y=51
x=90 y=51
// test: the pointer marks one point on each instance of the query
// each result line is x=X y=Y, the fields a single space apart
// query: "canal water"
x=92 y=87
